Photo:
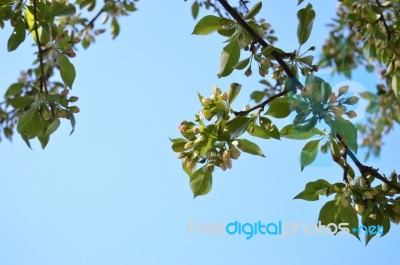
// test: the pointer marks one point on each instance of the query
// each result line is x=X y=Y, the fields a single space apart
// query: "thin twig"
x=91 y=22
x=243 y=4
x=216 y=9
x=261 y=105
x=40 y=52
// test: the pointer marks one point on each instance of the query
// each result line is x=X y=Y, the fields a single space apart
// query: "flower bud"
x=235 y=153
x=333 y=98
x=196 y=130
x=359 y=208
x=73 y=99
x=206 y=102
x=368 y=195
x=248 y=72
x=224 y=96
x=226 y=155
x=343 y=90
x=351 y=100
x=182 y=128
x=74 y=109
x=181 y=155
x=213 y=98
x=351 y=114
x=65 y=92
x=216 y=91
x=228 y=164
x=188 y=145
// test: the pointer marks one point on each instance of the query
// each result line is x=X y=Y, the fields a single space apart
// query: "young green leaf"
x=309 y=153
x=270 y=128
x=201 y=181
x=209 y=24
x=67 y=70
x=290 y=132
x=238 y=126
x=17 y=36
x=313 y=189
x=229 y=58
x=242 y=64
x=306 y=19
x=195 y=9
x=21 y=102
x=115 y=28
x=253 y=11
x=249 y=147
x=279 y=108
x=234 y=90
x=346 y=130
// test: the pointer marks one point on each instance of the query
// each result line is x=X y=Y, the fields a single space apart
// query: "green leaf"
x=229 y=58
x=306 y=19
x=253 y=11
x=249 y=147
x=67 y=70
x=290 y=132
x=201 y=181
x=178 y=144
x=242 y=64
x=59 y=8
x=334 y=212
x=195 y=9
x=234 y=90
x=346 y=130
x=115 y=28
x=209 y=24
x=307 y=60
x=44 y=140
x=25 y=120
x=313 y=189
x=279 y=108
x=258 y=131
x=238 y=126
x=309 y=153
x=71 y=117
x=257 y=96
x=270 y=128
x=22 y=102
x=52 y=127
x=17 y=36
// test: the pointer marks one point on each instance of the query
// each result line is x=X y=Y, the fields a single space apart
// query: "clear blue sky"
x=114 y=192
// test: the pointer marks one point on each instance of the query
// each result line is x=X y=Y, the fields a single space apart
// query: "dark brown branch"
x=367 y=169
x=388 y=32
x=261 y=105
x=277 y=56
x=383 y=20
x=91 y=22
x=40 y=52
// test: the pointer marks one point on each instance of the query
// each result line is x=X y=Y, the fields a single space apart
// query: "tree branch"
x=40 y=52
x=278 y=57
x=91 y=22
x=382 y=18
x=261 y=105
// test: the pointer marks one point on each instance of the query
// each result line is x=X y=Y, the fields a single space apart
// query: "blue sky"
x=114 y=192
